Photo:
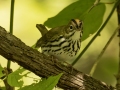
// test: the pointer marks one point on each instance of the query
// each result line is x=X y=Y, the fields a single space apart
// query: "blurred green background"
x=28 y=13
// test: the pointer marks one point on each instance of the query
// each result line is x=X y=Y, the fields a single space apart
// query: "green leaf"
x=92 y=20
x=14 y=79
x=44 y=84
x=28 y=87
x=1 y=69
x=74 y=10
x=50 y=83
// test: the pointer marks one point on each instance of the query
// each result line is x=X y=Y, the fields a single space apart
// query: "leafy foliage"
x=93 y=20
x=80 y=9
x=14 y=79
x=44 y=84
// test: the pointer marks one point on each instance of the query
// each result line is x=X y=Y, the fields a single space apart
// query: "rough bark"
x=15 y=50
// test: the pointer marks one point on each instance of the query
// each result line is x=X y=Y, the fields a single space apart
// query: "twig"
x=7 y=71
x=7 y=86
x=11 y=24
x=103 y=50
x=118 y=74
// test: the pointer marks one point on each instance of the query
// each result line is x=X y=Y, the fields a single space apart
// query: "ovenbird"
x=62 y=42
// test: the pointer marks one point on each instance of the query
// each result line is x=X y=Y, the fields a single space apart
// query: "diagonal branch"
x=15 y=50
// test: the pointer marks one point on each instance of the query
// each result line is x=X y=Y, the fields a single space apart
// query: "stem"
x=118 y=74
x=97 y=34
x=11 y=25
x=102 y=52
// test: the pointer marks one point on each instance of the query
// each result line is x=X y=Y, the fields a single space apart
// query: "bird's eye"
x=71 y=27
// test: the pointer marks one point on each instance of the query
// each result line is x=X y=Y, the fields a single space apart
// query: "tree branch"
x=15 y=50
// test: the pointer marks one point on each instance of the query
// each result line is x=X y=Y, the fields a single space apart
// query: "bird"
x=62 y=42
